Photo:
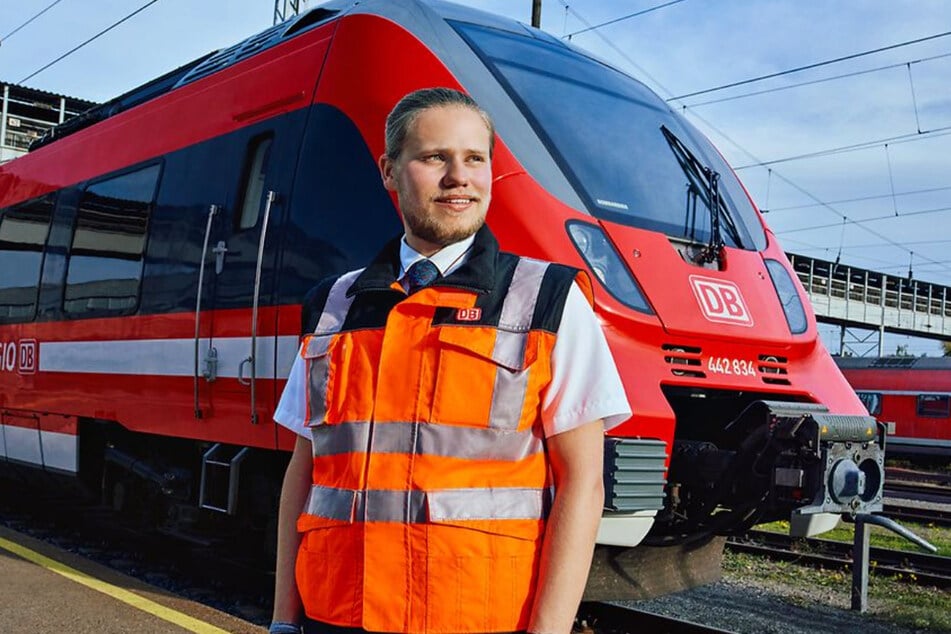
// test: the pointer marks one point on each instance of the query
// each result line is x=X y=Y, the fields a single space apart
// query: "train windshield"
x=630 y=157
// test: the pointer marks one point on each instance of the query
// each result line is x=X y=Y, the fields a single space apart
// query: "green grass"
x=881 y=537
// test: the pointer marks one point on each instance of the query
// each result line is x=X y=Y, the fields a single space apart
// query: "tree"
x=946 y=346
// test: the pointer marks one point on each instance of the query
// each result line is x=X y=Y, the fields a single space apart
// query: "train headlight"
x=606 y=264
x=788 y=297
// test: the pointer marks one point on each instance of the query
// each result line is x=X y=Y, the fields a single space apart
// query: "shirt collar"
x=447 y=259
x=476 y=270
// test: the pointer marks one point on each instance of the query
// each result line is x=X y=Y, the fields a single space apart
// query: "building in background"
x=28 y=113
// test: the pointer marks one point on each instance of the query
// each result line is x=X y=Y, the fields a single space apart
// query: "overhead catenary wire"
x=35 y=16
x=94 y=37
x=863 y=221
x=929 y=190
x=823 y=80
x=914 y=99
x=864 y=145
x=810 y=66
x=876 y=245
x=622 y=18
x=891 y=180
x=807 y=247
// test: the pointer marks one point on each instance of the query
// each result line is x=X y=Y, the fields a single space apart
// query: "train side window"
x=872 y=402
x=23 y=232
x=255 y=175
x=106 y=256
x=934 y=405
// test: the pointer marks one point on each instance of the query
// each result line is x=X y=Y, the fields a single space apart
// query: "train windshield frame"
x=605 y=130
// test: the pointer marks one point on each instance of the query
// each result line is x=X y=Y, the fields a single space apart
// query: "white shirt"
x=447 y=259
x=584 y=387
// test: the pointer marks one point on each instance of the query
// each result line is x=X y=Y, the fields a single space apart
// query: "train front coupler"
x=832 y=465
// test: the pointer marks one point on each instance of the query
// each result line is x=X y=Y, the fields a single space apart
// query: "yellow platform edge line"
x=146 y=605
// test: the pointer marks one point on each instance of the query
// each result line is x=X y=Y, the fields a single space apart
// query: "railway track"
x=920 y=568
x=900 y=476
x=901 y=512
x=919 y=492
x=918 y=496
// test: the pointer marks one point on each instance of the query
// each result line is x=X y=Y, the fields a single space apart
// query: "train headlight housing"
x=788 y=297
x=606 y=264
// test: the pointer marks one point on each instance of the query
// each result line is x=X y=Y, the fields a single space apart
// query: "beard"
x=442 y=234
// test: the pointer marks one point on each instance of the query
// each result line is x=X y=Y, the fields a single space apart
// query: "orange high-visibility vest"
x=430 y=481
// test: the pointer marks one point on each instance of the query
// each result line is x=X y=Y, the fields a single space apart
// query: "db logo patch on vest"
x=720 y=301
x=469 y=314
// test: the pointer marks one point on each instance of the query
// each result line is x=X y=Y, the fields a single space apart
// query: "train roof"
x=406 y=11
x=893 y=363
x=202 y=67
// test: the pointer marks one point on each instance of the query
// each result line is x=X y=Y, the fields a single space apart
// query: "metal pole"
x=860 y=565
x=860 y=554
x=3 y=122
x=944 y=306
x=537 y=13
x=881 y=326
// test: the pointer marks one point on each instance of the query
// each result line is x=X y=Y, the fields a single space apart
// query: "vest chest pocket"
x=333 y=372
x=484 y=377
x=315 y=350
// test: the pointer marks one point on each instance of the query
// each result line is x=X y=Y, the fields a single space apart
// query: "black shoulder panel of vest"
x=371 y=308
x=551 y=298
x=313 y=304
x=548 y=309
x=491 y=303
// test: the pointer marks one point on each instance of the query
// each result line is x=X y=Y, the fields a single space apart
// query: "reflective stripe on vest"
x=467 y=443
x=514 y=323
x=331 y=321
x=419 y=507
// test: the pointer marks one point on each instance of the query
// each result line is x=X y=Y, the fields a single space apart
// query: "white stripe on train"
x=58 y=451
x=168 y=357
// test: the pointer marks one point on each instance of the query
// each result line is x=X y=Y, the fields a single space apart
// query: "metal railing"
x=852 y=295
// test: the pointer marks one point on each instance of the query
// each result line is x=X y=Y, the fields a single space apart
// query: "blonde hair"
x=410 y=106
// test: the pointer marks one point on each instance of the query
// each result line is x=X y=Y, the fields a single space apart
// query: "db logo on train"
x=720 y=301
x=19 y=357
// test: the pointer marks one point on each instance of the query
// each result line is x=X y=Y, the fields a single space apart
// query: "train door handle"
x=220 y=249
x=241 y=379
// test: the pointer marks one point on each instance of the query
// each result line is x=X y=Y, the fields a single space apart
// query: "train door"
x=239 y=277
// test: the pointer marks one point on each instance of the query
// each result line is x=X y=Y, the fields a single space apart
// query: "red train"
x=154 y=254
x=911 y=395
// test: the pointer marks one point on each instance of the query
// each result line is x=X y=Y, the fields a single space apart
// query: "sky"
x=849 y=160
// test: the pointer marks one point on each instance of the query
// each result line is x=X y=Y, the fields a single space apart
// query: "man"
x=438 y=409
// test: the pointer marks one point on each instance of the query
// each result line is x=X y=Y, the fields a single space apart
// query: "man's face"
x=442 y=177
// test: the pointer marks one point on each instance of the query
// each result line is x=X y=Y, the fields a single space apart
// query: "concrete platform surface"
x=45 y=589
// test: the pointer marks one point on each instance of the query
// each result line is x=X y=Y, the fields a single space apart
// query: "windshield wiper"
x=701 y=176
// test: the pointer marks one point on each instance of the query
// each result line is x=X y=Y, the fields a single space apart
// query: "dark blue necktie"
x=421 y=274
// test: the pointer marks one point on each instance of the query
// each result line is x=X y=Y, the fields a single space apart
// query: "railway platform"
x=46 y=589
